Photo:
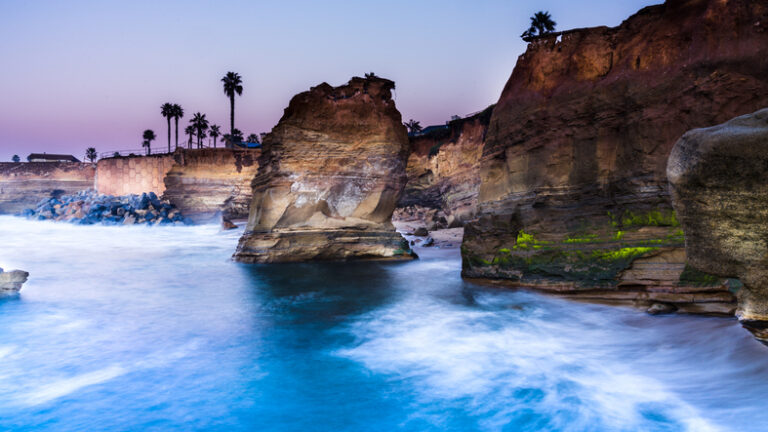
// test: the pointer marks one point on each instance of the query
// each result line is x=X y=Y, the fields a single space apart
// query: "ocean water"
x=156 y=329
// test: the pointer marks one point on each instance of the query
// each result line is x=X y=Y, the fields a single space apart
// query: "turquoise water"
x=155 y=329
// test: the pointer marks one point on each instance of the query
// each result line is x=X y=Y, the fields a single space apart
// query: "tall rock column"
x=719 y=184
x=329 y=177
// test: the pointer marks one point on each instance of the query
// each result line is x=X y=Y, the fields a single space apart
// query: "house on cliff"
x=46 y=157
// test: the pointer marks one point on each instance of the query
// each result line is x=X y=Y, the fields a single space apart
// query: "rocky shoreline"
x=89 y=207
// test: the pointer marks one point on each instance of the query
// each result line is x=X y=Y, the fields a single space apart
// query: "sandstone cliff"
x=329 y=176
x=204 y=183
x=719 y=183
x=443 y=173
x=573 y=185
x=24 y=184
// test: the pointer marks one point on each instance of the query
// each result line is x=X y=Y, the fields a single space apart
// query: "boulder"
x=421 y=232
x=719 y=182
x=12 y=280
x=330 y=174
x=227 y=225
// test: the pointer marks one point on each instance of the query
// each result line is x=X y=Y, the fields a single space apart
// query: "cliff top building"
x=46 y=157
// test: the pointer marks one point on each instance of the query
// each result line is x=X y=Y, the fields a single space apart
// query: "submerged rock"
x=719 y=183
x=12 y=280
x=227 y=224
x=330 y=174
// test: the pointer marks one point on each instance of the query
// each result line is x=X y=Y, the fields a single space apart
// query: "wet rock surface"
x=11 y=281
x=89 y=207
x=719 y=183
x=330 y=174
x=573 y=194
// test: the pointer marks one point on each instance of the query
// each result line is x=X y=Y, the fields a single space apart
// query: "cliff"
x=24 y=184
x=719 y=188
x=443 y=172
x=329 y=176
x=573 y=194
x=204 y=183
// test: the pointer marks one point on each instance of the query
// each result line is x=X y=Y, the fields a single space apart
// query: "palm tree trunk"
x=214 y=142
x=169 y=134
x=177 y=131
x=232 y=115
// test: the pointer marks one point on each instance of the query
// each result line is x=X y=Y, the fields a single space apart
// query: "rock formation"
x=573 y=172
x=11 y=281
x=444 y=173
x=719 y=184
x=329 y=176
x=207 y=183
x=24 y=184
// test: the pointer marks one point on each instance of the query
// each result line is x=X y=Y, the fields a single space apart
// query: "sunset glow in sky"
x=76 y=74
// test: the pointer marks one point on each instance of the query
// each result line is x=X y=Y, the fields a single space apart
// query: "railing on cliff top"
x=161 y=150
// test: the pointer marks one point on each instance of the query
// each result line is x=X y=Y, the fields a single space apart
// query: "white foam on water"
x=67 y=386
x=506 y=362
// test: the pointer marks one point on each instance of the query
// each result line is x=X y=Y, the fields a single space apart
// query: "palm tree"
x=149 y=136
x=200 y=123
x=232 y=84
x=90 y=154
x=252 y=138
x=541 y=24
x=413 y=126
x=190 y=130
x=178 y=113
x=166 y=110
x=16 y=158
x=214 y=133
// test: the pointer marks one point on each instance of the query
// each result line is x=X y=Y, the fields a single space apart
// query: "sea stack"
x=330 y=174
x=719 y=189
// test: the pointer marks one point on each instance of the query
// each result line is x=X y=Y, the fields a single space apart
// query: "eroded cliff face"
x=205 y=184
x=719 y=184
x=330 y=175
x=573 y=182
x=444 y=173
x=24 y=184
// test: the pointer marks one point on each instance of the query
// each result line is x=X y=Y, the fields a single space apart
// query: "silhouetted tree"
x=116 y=154
x=189 y=130
x=252 y=138
x=90 y=154
x=16 y=158
x=148 y=136
x=233 y=84
x=166 y=110
x=413 y=126
x=541 y=24
x=178 y=113
x=370 y=75
x=200 y=123
x=233 y=139
x=215 y=133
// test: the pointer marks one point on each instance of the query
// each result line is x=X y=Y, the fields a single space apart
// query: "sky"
x=77 y=74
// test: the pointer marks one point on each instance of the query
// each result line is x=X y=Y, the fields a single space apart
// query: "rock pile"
x=89 y=207
x=12 y=280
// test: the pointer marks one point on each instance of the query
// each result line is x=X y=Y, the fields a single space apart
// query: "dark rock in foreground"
x=719 y=185
x=12 y=280
x=89 y=207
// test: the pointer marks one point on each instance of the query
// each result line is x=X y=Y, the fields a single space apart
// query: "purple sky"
x=76 y=74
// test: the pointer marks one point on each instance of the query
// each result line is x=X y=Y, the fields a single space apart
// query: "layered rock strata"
x=329 y=177
x=443 y=173
x=719 y=184
x=12 y=281
x=573 y=173
x=24 y=184
x=207 y=184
